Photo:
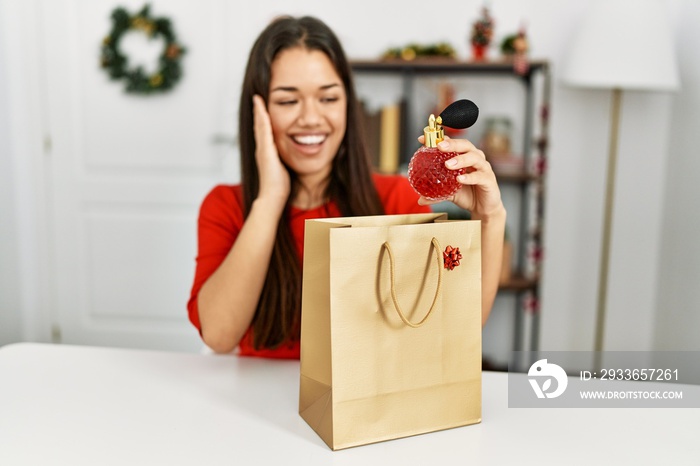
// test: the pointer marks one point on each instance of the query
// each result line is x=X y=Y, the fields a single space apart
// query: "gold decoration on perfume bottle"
x=433 y=133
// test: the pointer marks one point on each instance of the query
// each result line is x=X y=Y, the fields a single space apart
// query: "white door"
x=126 y=173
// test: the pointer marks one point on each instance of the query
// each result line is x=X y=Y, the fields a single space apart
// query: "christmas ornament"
x=481 y=35
x=516 y=47
x=116 y=63
x=413 y=51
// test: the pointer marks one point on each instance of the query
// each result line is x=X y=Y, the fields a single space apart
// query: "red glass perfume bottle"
x=427 y=172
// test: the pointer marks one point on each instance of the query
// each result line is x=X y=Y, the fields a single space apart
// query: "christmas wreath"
x=116 y=63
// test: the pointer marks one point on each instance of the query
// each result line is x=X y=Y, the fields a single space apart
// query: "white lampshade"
x=625 y=44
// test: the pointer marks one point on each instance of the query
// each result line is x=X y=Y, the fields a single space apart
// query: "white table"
x=71 y=405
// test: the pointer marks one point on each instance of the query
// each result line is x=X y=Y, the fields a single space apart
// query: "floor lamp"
x=620 y=45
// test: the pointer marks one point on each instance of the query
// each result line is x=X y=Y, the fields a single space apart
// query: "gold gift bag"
x=390 y=338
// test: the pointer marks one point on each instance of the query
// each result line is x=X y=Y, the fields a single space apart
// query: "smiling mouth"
x=309 y=140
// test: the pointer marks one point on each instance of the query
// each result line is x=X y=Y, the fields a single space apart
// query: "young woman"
x=303 y=157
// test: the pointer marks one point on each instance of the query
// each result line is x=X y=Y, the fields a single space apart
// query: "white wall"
x=10 y=316
x=678 y=305
x=25 y=303
x=655 y=189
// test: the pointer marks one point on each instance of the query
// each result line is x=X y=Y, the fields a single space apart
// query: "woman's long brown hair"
x=278 y=315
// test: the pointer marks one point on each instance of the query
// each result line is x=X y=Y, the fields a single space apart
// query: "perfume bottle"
x=427 y=172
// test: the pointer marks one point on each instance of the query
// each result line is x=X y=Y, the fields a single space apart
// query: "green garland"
x=117 y=65
x=413 y=51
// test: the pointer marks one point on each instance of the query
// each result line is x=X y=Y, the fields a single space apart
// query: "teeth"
x=310 y=139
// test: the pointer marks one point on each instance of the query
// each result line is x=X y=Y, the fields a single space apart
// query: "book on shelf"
x=383 y=135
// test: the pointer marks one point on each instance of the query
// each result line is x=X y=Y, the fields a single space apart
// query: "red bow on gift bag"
x=451 y=256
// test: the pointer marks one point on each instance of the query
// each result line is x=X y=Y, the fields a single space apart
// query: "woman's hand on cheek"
x=480 y=193
x=274 y=178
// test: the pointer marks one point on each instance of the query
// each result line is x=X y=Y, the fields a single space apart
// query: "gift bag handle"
x=437 y=248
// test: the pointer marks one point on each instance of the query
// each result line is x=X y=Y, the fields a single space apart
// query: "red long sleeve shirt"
x=221 y=219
